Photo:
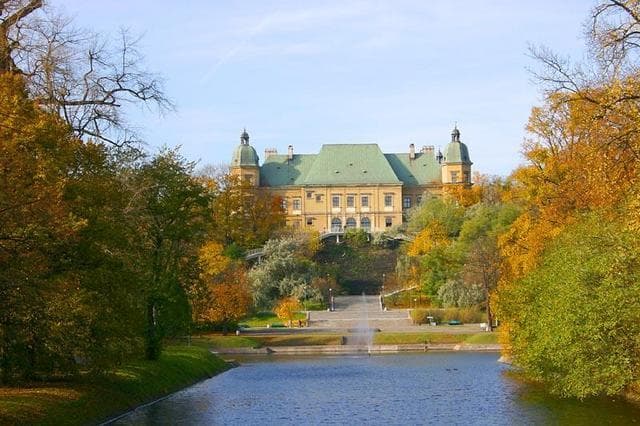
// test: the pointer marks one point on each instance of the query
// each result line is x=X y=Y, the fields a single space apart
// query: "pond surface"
x=432 y=388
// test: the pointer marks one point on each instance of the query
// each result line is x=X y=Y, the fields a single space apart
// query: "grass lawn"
x=482 y=338
x=218 y=341
x=90 y=400
x=300 y=340
x=209 y=341
x=262 y=319
x=407 y=338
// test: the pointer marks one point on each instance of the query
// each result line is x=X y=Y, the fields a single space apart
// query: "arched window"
x=351 y=223
x=336 y=225
x=365 y=223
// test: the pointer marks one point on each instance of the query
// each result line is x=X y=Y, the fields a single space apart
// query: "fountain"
x=362 y=335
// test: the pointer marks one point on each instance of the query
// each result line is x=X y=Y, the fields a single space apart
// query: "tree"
x=287 y=309
x=230 y=299
x=574 y=321
x=81 y=76
x=36 y=156
x=172 y=206
x=242 y=214
x=284 y=272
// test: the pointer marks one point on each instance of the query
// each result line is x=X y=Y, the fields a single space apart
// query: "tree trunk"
x=489 y=314
x=152 y=337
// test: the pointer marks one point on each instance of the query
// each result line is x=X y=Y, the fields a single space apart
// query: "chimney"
x=412 y=151
x=268 y=152
x=290 y=153
x=427 y=149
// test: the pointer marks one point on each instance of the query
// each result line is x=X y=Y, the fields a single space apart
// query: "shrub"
x=465 y=315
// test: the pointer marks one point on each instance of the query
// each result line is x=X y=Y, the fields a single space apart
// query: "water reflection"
x=433 y=388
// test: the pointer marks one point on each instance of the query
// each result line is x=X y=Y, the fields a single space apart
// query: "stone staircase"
x=358 y=312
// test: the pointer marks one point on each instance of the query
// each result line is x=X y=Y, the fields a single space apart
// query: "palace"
x=352 y=185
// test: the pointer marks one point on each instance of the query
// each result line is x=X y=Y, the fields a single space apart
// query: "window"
x=406 y=202
x=351 y=200
x=364 y=201
x=388 y=200
x=466 y=177
x=336 y=225
x=335 y=201
x=365 y=223
x=309 y=195
x=297 y=204
x=248 y=179
x=309 y=221
x=418 y=199
x=454 y=177
x=351 y=223
x=388 y=221
x=283 y=204
x=318 y=198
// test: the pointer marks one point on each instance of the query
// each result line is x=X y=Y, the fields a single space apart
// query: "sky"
x=305 y=73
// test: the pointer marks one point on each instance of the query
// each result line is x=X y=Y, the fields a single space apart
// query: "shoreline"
x=358 y=349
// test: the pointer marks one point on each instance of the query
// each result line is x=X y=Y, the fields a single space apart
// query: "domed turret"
x=456 y=151
x=245 y=161
x=245 y=154
x=456 y=164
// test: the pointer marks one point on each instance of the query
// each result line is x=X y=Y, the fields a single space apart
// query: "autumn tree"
x=287 y=308
x=230 y=298
x=86 y=78
x=242 y=214
x=562 y=258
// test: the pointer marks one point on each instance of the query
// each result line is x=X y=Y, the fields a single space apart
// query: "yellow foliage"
x=287 y=308
x=427 y=239
x=212 y=260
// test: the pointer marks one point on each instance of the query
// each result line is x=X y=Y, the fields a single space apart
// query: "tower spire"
x=455 y=134
x=244 y=137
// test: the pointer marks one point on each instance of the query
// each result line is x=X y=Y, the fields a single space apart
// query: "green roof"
x=423 y=169
x=244 y=155
x=456 y=152
x=350 y=164
x=347 y=164
x=277 y=170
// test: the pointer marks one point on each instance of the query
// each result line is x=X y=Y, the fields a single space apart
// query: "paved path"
x=359 y=312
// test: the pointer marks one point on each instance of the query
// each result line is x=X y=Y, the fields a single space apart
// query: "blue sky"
x=311 y=72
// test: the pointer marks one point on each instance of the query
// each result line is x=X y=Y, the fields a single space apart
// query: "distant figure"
x=299 y=323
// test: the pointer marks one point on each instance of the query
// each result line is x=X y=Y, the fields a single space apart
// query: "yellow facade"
x=352 y=186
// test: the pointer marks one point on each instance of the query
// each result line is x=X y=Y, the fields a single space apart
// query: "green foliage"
x=284 y=272
x=449 y=214
x=234 y=251
x=465 y=315
x=356 y=237
x=457 y=293
x=575 y=321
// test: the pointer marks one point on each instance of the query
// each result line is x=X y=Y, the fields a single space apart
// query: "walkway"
x=359 y=312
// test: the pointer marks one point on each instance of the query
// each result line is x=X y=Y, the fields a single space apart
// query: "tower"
x=456 y=165
x=245 y=162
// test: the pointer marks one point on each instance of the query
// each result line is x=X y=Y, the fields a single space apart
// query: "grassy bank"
x=91 y=400
x=264 y=319
x=409 y=338
x=212 y=341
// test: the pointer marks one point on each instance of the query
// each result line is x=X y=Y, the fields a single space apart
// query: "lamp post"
x=331 y=299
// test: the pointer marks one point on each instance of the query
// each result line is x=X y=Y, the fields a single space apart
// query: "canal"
x=432 y=388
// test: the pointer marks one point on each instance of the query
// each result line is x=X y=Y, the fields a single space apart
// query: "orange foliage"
x=230 y=298
x=287 y=308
